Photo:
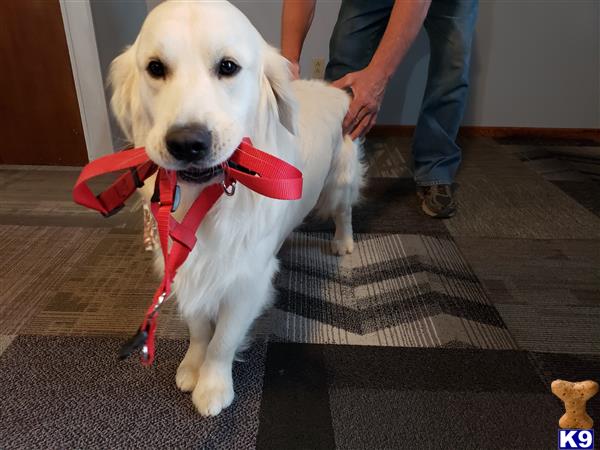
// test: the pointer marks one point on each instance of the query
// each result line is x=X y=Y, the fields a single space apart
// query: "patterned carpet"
x=432 y=334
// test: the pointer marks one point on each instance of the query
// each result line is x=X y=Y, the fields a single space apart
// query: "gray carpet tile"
x=295 y=412
x=42 y=197
x=547 y=291
x=572 y=366
x=443 y=420
x=556 y=328
x=107 y=293
x=388 y=157
x=434 y=398
x=398 y=397
x=562 y=166
x=5 y=341
x=35 y=263
x=500 y=197
x=553 y=163
x=586 y=193
x=69 y=392
x=548 y=166
x=529 y=271
x=398 y=290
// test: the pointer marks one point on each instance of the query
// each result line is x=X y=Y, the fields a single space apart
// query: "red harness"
x=259 y=171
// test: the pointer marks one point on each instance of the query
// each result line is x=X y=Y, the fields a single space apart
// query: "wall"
x=535 y=64
x=116 y=25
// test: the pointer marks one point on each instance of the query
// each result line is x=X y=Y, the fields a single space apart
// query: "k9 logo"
x=575 y=439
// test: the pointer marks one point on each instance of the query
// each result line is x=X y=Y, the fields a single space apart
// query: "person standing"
x=369 y=40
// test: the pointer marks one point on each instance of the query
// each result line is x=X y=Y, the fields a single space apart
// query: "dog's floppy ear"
x=123 y=80
x=277 y=88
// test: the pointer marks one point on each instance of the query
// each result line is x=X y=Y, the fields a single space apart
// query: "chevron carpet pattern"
x=394 y=290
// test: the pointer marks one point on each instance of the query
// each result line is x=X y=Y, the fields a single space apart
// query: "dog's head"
x=198 y=78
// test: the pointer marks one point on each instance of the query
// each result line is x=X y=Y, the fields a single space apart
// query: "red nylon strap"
x=183 y=237
x=115 y=196
x=268 y=176
x=277 y=179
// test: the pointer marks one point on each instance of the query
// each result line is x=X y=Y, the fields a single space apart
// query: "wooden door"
x=39 y=113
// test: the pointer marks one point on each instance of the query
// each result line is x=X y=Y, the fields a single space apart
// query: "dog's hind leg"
x=201 y=331
x=341 y=191
x=343 y=240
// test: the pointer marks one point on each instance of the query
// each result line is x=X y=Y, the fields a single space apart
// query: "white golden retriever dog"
x=198 y=79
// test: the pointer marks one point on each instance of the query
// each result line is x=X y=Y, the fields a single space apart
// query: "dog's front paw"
x=187 y=377
x=343 y=246
x=213 y=393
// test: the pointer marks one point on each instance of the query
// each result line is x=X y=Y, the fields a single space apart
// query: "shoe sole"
x=440 y=215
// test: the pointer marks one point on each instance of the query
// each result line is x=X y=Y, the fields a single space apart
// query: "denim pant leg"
x=356 y=35
x=436 y=156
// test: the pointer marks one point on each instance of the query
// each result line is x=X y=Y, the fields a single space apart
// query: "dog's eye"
x=228 y=68
x=156 y=69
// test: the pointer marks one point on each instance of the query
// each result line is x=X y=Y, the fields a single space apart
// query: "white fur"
x=226 y=281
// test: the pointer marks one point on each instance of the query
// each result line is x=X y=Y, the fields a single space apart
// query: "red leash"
x=257 y=170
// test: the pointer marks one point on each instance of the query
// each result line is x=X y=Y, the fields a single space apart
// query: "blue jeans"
x=449 y=25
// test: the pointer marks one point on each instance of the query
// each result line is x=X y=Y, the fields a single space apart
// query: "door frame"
x=85 y=65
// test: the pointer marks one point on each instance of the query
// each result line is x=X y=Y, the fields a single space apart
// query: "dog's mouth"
x=199 y=175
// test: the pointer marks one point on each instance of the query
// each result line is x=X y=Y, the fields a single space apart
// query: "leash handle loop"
x=112 y=199
x=269 y=176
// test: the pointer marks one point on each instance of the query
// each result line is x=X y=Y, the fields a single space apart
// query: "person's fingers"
x=344 y=82
x=359 y=130
x=373 y=120
x=371 y=124
x=358 y=117
x=350 y=117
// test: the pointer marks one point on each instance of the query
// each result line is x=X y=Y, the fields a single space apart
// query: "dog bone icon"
x=575 y=396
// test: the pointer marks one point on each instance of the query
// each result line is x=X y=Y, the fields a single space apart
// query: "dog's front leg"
x=214 y=390
x=201 y=330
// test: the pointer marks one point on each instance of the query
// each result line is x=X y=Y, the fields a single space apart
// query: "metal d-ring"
x=229 y=190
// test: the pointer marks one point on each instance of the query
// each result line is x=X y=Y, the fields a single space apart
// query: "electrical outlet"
x=318 y=68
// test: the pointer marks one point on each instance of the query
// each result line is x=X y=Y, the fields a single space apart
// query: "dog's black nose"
x=188 y=143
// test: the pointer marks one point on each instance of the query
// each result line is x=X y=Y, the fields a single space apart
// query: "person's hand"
x=295 y=70
x=368 y=87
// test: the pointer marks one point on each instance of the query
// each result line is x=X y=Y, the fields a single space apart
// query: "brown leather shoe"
x=437 y=200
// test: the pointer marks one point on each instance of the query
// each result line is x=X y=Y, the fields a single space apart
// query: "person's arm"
x=296 y=18
x=368 y=85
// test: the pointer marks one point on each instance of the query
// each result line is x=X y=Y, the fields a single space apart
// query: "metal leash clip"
x=138 y=341
x=134 y=343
